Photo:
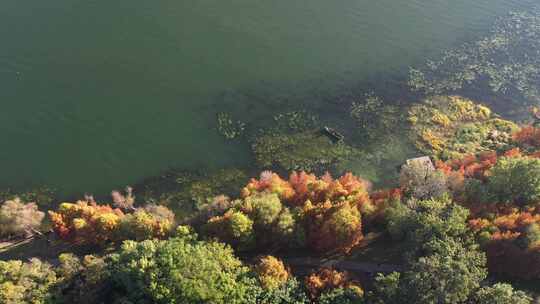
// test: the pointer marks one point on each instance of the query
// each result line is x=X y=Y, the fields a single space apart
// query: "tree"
x=84 y=281
x=289 y=293
x=386 y=289
x=327 y=280
x=142 y=225
x=85 y=223
x=265 y=208
x=421 y=181
x=26 y=282
x=515 y=180
x=271 y=272
x=422 y=221
x=448 y=274
x=349 y=295
x=89 y=223
x=500 y=294
x=19 y=219
x=443 y=265
x=180 y=271
x=234 y=228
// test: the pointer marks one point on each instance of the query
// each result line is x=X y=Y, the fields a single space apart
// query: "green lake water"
x=98 y=94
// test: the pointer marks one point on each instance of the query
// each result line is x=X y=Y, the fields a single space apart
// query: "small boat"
x=333 y=134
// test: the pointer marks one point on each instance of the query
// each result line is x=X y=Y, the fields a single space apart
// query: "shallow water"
x=97 y=94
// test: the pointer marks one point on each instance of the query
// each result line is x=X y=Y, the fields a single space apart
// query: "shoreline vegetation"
x=432 y=197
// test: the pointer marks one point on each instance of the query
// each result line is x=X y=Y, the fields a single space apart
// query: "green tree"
x=234 y=228
x=266 y=208
x=83 y=281
x=443 y=265
x=341 y=296
x=500 y=294
x=180 y=271
x=26 y=282
x=515 y=180
x=448 y=274
x=385 y=289
x=289 y=293
x=422 y=221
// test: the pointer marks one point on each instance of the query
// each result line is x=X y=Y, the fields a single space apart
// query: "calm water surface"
x=97 y=94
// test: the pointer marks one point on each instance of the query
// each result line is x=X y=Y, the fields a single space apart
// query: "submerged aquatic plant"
x=507 y=59
x=373 y=117
x=310 y=151
x=188 y=192
x=295 y=121
x=229 y=128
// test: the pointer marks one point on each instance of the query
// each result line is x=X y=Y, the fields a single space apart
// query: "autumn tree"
x=271 y=272
x=326 y=280
x=333 y=227
x=86 y=223
x=324 y=214
x=90 y=223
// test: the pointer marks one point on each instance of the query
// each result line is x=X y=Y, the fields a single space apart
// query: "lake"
x=99 y=94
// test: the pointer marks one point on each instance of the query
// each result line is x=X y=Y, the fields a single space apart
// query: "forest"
x=455 y=221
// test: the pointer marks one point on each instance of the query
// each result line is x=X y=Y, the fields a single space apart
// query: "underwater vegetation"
x=186 y=192
x=42 y=196
x=310 y=150
x=375 y=118
x=506 y=60
x=229 y=128
x=453 y=126
x=295 y=141
x=294 y=121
